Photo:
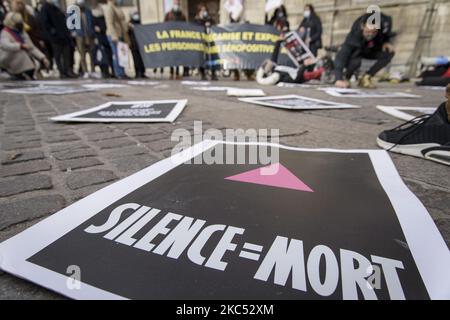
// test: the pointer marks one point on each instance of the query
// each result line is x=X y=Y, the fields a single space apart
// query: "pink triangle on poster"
x=274 y=175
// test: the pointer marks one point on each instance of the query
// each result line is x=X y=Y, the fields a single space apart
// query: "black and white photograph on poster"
x=358 y=93
x=238 y=92
x=170 y=232
x=296 y=49
x=406 y=113
x=51 y=90
x=128 y=111
x=296 y=102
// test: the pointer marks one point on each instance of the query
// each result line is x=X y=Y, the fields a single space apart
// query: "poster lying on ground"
x=344 y=226
x=358 y=93
x=53 y=90
x=406 y=113
x=296 y=102
x=128 y=111
x=240 y=92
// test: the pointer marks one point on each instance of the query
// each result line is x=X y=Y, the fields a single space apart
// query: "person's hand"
x=97 y=29
x=46 y=63
x=25 y=47
x=343 y=84
x=115 y=39
x=387 y=47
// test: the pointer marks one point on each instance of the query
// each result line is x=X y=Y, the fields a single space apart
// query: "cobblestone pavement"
x=46 y=166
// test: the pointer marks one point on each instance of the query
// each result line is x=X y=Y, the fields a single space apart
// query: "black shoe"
x=426 y=136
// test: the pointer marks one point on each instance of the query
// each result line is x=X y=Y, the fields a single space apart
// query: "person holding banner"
x=310 y=29
x=203 y=18
x=102 y=52
x=139 y=67
x=176 y=14
x=279 y=19
x=367 y=41
x=117 y=31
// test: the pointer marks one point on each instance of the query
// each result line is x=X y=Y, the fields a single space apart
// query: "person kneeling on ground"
x=17 y=51
x=363 y=42
x=269 y=73
x=426 y=136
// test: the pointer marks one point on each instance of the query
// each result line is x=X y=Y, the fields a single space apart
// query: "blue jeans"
x=118 y=70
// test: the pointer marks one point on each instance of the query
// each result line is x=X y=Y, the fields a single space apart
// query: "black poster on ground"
x=316 y=224
x=171 y=44
x=128 y=111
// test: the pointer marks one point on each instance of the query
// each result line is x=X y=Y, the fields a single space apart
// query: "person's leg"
x=353 y=65
x=383 y=59
x=118 y=70
x=58 y=54
x=68 y=60
x=82 y=51
x=276 y=51
x=447 y=104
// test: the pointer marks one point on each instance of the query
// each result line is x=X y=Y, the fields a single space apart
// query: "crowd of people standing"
x=33 y=39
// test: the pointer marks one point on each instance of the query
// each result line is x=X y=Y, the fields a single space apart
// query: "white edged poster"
x=195 y=83
x=208 y=88
x=123 y=54
x=128 y=111
x=143 y=83
x=238 y=92
x=406 y=113
x=51 y=90
x=370 y=93
x=171 y=232
x=99 y=86
x=296 y=102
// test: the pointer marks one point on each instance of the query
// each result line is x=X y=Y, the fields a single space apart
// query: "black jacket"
x=314 y=25
x=53 y=22
x=356 y=45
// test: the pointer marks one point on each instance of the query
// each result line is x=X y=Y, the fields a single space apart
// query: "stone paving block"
x=20 y=184
x=19 y=129
x=115 y=143
x=105 y=136
x=153 y=137
x=82 y=179
x=73 y=154
x=24 y=168
x=11 y=145
x=61 y=138
x=134 y=163
x=124 y=152
x=14 y=157
x=17 y=211
x=68 y=146
x=79 y=163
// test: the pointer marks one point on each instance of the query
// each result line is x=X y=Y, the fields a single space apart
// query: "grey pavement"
x=46 y=166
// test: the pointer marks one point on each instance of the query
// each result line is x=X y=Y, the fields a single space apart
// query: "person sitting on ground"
x=363 y=41
x=18 y=55
x=269 y=73
x=439 y=76
x=426 y=136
